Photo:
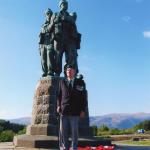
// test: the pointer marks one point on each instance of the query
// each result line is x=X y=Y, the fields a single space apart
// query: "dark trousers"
x=47 y=59
x=70 y=57
x=66 y=123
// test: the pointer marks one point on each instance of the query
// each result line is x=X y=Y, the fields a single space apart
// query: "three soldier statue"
x=59 y=35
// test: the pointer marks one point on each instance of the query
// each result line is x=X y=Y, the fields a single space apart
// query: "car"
x=141 y=131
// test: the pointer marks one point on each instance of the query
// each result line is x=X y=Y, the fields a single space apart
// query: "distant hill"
x=24 y=121
x=120 y=121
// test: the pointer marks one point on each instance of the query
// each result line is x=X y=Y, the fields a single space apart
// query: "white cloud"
x=126 y=18
x=146 y=34
x=5 y=114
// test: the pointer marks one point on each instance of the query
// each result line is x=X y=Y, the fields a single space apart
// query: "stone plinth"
x=44 y=105
x=44 y=122
x=44 y=119
x=36 y=141
x=51 y=142
x=43 y=131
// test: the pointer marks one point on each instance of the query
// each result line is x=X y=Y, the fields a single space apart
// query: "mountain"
x=120 y=121
x=24 y=121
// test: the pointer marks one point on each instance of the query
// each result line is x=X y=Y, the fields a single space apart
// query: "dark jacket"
x=74 y=101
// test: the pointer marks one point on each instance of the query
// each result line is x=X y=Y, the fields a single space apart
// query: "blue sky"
x=114 y=56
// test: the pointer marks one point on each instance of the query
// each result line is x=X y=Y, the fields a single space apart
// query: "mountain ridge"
x=114 y=120
x=119 y=120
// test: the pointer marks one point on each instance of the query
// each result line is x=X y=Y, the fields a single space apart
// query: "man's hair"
x=67 y=66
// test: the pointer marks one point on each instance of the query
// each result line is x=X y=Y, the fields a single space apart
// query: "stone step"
x=10 y=146
x=31 y=141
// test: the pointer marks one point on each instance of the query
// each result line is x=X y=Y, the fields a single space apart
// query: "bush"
x=6 y=125
x=101 y=133
x=93 y=130
x=1 y=129
x=143 y=125
x=129 y=131
x=103 y=128
x=22 y=131
x=115 y=131
x=6 y=136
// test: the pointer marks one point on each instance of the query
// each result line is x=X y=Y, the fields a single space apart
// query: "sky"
x=114 y=56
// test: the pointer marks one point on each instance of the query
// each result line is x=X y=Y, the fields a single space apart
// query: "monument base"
x=36 y=141
x=41 y=141
x=42 y=129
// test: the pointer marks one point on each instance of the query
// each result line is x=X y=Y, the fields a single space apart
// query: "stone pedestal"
x=44 y=124
x=84 y=126
x=51 y=142
x=43 y=131
x=44 y=106
x=44 y=117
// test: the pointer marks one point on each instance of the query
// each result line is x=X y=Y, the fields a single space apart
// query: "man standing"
x=46 y=46
x=71 y=105
x=65 y=37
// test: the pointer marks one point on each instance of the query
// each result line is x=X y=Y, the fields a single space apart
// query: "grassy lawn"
x=140 y=143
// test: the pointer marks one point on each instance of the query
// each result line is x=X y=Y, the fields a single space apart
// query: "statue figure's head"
x=48 y=14
x=74 y=15
x=63 y=5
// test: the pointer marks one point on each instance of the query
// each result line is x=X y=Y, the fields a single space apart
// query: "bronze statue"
x=59 y=35
x=66 y=37
x=46 y=46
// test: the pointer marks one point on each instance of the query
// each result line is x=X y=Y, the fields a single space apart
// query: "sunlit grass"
x=140 y=143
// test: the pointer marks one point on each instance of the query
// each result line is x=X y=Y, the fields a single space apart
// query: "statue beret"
x=62 y=1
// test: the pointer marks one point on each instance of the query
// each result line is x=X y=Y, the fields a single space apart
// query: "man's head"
x=63 y=5
x=70 y=71
x=48 y=14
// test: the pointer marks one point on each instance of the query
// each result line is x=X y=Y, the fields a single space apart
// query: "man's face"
x=70 y=72
x=64 y=7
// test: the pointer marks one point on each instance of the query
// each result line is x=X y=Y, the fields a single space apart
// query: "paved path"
x=132 y=147
x=9 y=146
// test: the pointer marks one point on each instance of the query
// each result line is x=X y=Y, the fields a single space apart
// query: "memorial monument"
x=59 y=36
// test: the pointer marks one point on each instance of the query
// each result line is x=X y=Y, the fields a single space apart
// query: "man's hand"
x=82 y=114
x=58 y=109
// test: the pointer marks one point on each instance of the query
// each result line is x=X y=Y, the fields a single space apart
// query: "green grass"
x=140 y=143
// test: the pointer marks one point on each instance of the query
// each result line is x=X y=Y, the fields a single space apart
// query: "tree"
x=94 y=130
x=6 y=136
x=6 y=125
x=143 y=125
x=103 y=127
